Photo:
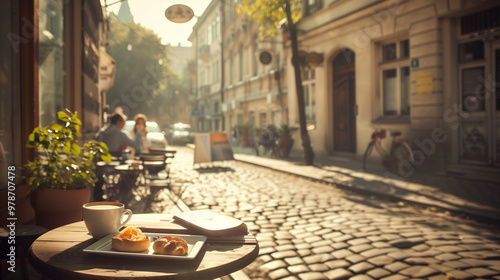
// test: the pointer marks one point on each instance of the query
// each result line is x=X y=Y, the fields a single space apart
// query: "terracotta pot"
x=55 y=208
x=286 y=145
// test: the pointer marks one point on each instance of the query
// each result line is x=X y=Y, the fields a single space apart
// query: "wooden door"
x=344 y=103
x=480 y=95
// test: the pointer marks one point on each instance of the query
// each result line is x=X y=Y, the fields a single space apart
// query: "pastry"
x=169 y=245
x=131 y=239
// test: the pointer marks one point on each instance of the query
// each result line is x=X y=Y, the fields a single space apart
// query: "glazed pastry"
x=131 y=239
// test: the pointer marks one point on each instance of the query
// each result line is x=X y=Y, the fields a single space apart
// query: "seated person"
x=114 y=137
x=117 y=141
x=140 y=125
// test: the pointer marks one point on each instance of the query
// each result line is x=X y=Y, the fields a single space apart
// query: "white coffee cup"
x=105 y=217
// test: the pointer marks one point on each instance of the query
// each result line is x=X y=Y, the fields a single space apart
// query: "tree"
x=142 y=68
x=175 y=95
x=269 y=13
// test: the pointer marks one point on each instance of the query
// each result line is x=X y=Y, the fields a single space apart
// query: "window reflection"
x=10 y=119
x=51 y=71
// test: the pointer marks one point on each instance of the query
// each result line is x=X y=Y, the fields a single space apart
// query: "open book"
x=210 y=223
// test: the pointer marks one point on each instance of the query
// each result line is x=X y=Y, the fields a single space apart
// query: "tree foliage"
x=269 y=13
x=142 y=67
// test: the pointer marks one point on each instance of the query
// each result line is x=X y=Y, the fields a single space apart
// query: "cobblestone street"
x=310 y=230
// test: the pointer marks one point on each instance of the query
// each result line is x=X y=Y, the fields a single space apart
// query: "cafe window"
x=10 y=106
x=395 y=78
x=51 y=55
x=309 y=86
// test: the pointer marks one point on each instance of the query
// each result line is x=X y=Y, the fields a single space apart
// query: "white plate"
x=195 y=243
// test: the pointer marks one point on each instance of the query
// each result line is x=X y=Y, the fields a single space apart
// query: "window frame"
x=470 y=65
x=263 y=120
x=309 y=87
x=398 y=64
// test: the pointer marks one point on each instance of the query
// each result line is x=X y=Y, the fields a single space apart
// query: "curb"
x=470 y=212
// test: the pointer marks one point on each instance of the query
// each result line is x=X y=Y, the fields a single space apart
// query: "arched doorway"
x=344 y=102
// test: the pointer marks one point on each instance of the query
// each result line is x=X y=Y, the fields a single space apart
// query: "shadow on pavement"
x=214 y=169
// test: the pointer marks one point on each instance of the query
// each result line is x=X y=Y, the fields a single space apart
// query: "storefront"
x=49 y=62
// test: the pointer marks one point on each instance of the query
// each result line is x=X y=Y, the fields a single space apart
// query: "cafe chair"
x=156 y=176
x=107 y=180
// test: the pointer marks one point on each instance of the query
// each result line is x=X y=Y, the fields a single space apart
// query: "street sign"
x=265 y=57
x=179 y=13
x=414 y=63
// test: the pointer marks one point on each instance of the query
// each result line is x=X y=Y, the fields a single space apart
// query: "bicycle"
x=268 y=139
x=399 y=151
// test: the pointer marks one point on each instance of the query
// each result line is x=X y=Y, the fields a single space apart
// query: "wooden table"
x=58 y=254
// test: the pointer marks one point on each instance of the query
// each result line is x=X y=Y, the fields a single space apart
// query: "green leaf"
x=31 y=138
x=76 y=149
x=56 y=127
x=61 y=115
x=66 y=148
x=104 y=146
x=106 y=157
x=76 y=120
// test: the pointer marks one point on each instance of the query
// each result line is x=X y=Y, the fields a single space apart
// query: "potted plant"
x=285 y=140
x=62 y=173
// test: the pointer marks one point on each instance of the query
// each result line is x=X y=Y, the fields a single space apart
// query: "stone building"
x=206 y=42
x=254 y=92
x=428 y=69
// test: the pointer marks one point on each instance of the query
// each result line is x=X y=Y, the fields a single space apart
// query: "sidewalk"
x=476 y=199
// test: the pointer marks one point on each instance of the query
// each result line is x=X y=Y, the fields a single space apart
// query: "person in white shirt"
x=140 y=124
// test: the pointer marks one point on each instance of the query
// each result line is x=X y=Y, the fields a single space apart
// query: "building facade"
x=429 y=69
x=206 y=39
x=49 y=62
x=254 y=89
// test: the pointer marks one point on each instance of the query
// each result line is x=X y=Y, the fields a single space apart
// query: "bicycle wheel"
x=255 y=150
x=367 y=153
x=401 y=152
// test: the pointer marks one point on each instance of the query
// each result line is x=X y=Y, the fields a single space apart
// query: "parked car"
x=179 y=133
x=155 y=135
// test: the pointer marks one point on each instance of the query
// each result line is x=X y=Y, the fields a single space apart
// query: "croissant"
x=169 y=245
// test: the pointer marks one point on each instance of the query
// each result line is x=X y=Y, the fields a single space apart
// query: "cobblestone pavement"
x=309 y=230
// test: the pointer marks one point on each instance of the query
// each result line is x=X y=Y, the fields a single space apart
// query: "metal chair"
x=156 y=176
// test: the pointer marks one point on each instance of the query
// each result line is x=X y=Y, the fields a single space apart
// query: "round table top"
x=59 y=254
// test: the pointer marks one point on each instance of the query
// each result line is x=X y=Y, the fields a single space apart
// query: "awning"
x=107 y=70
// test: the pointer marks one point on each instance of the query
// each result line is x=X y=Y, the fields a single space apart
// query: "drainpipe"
x=222 y=24
x=277 y=77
